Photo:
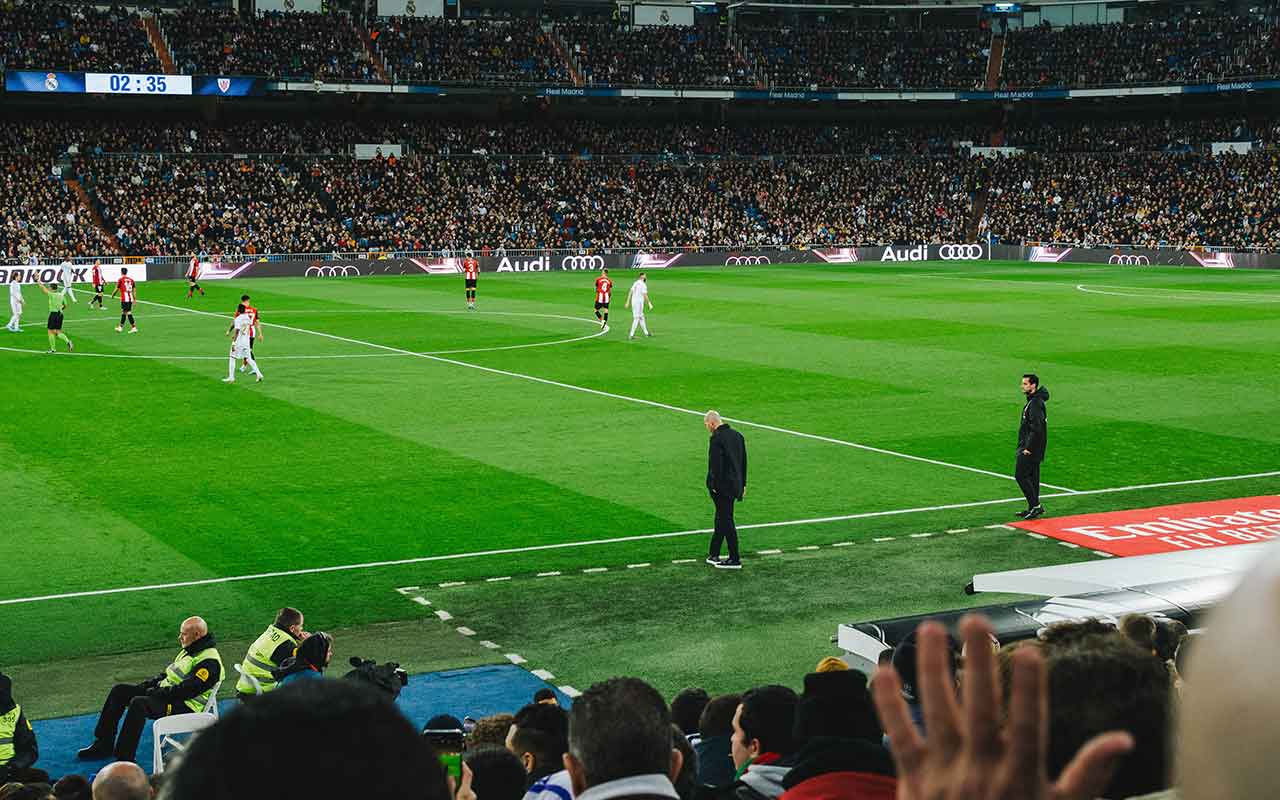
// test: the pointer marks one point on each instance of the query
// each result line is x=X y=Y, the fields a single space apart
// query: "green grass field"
x=134 y=472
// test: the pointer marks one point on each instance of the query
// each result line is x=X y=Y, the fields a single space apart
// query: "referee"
x=1033 y=434
x=57 y=304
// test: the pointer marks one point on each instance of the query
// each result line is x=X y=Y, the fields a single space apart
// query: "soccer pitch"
x=549 y=476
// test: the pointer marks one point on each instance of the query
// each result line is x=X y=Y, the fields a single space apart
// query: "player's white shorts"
x=637 y=313
x=15 y=307
x=240 y=351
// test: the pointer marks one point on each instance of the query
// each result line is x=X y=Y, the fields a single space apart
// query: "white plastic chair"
x=165 y=729
x=254 y=682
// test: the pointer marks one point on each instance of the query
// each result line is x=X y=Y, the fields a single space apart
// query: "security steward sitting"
x=18 y=749
x=183 y=687
x=269 y=651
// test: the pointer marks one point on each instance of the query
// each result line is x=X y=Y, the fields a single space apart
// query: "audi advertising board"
x=936 y=252
x=1136 y=257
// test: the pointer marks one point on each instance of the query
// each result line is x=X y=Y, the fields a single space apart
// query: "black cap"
x=836 y=704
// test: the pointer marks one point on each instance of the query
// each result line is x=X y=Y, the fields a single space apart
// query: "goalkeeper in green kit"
x=57 y=304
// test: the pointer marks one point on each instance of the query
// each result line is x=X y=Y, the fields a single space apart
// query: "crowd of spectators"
x=1187 y=50
x=160 y=206
x=297 y=46
x=54 y=36
x=1084 y=709
x=428 y=50
x=1181 y=200
x=1147 y=135
x=40 y=215
x=819 y=58
x=661 y=55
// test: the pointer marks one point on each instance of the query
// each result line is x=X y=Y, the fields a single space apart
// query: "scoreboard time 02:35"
x=111 y=83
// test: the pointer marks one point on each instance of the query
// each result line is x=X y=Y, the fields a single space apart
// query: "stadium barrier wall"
x=1137 y=257
x=82 y=273
x=572 y=261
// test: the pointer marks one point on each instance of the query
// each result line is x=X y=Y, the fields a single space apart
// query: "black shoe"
x=96 y=751
x=715 y=561
x=1023 y=514
x=727 y=564
x=1038 y=511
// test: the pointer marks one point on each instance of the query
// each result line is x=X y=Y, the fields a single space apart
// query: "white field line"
x=400 y=354
x=593 y=542
x=626 y=398
x=1193 y=295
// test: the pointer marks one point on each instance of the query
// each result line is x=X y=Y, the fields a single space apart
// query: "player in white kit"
x=636 y=300
x=240 y=329
x=15 y=304
x=67 y=279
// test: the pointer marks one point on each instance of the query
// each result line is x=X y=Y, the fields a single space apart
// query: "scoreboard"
x=131 y=83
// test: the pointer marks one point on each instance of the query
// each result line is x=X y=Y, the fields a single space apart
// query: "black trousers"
x=1027 y=473
x=725 y=530
x=130 y=701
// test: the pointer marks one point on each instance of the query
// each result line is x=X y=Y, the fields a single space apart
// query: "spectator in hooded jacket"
x=715 y=742
x=620 y=743
x=310 y=661
x=840 y=751
x=762 y=740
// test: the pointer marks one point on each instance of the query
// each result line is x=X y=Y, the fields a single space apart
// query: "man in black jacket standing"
x=1033 y=435
x=727 y=482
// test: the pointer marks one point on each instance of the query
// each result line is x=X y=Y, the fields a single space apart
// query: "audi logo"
x=582 y=262
x=960 y=252
x=1130 y=261
x=343 y=271
x=735 y=261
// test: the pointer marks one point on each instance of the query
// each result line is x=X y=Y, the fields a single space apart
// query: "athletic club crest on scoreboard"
x=224 y=84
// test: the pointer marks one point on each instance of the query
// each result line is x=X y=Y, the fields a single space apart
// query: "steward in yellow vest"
x=185 y=686
x=18 y=749
x=278 y=642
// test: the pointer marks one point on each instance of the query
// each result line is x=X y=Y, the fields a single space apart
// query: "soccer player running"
x=193 y=277
x=636 y=299
x=604 y=287
x=16 y=304
x=96 y=275
x=57 y=304
x=128 y=292
x=240 y=349
x=470 y=274
x=255 y=331
x=67 y=280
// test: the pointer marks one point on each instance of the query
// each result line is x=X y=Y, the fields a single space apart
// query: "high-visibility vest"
x=178 y=671
x=258 y=661
x=8 y=727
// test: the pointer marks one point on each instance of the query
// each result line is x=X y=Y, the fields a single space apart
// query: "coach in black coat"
x=1033 y=437
x=727 y=482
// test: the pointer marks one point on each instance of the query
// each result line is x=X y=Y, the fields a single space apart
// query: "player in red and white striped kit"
x=97 y=285
x=127 y=290
x=604 y=287
x=193 y=276
x=470 y=274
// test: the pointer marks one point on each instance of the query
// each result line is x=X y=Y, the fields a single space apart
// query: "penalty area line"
x=627 y=398
x=617 y=540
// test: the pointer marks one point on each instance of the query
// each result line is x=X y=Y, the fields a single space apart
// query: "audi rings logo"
x=745 y=261
x=582 y=262
x=1130 y=261
x=341 y=271
x=960 y=252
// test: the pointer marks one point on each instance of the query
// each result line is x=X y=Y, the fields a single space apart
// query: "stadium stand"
x=1192 y=49
x=41 y=215
x=56 y=36
x=473 y=51
x=654 y=56
x=822 y=57
x=295 y=46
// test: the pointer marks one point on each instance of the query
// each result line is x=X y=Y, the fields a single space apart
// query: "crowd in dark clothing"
x=40 y=215
x=83 y=38
x=294 y=46
x=426 y=50
x=822 y=57
x=1191 y=49
x=1182 y=200
x=654 y=56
